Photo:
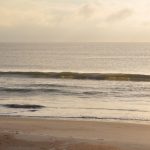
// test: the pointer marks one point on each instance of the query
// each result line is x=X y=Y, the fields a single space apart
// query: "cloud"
x=119 y=15
x=89 y=9
x=73 y=20
x=86 y=11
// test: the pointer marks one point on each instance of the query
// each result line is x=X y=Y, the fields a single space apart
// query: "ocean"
x=87 y=81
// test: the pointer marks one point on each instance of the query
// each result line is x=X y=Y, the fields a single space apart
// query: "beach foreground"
x=41 y=134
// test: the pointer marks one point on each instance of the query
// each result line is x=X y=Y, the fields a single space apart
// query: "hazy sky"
x=75 y=20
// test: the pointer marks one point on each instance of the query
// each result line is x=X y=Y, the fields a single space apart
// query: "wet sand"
x=41 y=134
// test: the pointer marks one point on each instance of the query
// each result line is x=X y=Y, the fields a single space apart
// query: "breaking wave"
x=81 y=76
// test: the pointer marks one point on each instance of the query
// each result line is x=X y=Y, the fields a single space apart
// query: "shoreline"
x=18 y=133
x=101 y=120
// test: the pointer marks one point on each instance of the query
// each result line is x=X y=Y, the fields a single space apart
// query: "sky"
x=74 y=21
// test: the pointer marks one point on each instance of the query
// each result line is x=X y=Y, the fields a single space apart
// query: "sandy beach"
x=41 y=134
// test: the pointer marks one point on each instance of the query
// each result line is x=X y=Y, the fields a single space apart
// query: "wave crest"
x=81 y=76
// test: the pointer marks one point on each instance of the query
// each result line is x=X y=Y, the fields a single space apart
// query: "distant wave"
x=83 y=118
x=24 y=106
x=24 y=90
x=28 y=106
x=111 y=109
x=81 y=76
x=45 y=90
x=98 y=118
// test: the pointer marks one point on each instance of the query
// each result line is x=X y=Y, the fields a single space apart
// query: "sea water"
x=31 y=75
